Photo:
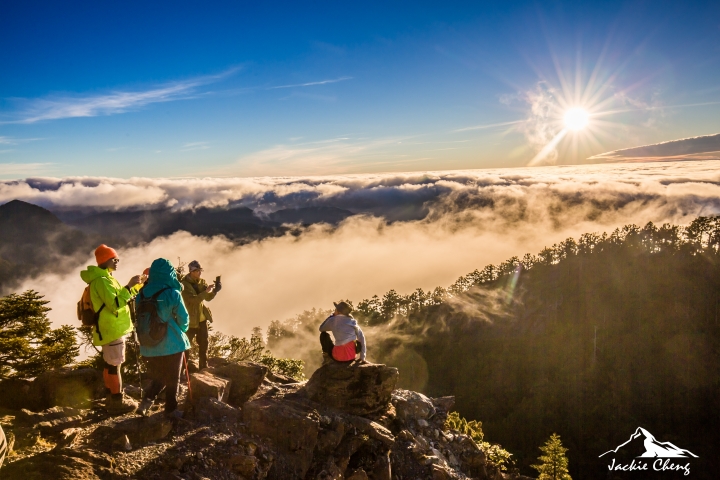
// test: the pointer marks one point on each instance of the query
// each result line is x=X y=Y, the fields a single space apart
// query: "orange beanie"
x=104 y=253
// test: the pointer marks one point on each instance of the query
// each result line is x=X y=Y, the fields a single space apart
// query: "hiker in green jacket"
x=114 y=324
x=195 y=292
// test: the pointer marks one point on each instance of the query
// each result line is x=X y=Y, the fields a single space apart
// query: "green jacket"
x=194 y=296
x=114 y=321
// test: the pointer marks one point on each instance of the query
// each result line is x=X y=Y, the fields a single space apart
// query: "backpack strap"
x=97 y=314
x=157 y=294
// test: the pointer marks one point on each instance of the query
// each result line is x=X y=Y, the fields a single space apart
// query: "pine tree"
x=554 y=462
x=28 y=346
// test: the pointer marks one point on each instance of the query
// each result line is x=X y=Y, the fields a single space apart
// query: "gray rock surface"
x=246 y=378
x=205 y=384
x=356 y=388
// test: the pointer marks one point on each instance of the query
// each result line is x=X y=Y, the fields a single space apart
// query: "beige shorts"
x=114 y=352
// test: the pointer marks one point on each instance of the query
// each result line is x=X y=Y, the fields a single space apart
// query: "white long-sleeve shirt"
x=345 y=329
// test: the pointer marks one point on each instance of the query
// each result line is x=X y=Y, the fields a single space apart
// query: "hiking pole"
x=131 y=305
x=187 y=375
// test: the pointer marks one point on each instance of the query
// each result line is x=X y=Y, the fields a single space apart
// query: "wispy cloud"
x=706 y=147
x=15 y=169
x=311 y=84
x=195 y=146
x=491 y=125
x=335 y=155
x=16 y=141
x=60 y=107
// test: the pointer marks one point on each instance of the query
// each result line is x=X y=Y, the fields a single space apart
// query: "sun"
x=576 y=119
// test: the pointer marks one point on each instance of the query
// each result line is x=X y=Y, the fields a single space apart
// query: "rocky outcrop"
x=292 y=427
x=347 y=422
x=62 y=464
x=64 y=387
x=246 y=377
x=357 y=388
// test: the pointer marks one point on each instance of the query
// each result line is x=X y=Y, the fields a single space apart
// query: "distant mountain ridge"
x=33 y=239
x=238 y=223
x=654 y=448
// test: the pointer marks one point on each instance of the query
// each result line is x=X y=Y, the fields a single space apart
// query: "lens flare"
x=576 y=119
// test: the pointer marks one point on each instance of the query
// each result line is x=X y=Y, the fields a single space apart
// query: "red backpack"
x=86 y=313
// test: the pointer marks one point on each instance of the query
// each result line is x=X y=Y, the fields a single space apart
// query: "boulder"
x=356 y=388
x=139 y=431
x=211 y=409
x=245 y=465
x=246 y=378
x=65 y=387
x=444 y=404
x=205 y=384
x=14 y=393
x=292 y=429
x=412 y=405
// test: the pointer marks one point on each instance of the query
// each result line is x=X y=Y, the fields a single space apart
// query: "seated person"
x=349 y=338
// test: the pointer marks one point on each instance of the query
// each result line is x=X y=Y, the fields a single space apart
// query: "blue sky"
x=309 y=88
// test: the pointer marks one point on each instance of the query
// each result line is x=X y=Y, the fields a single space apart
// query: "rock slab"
x=356 y=388
x=412 y=405
x=246 y=379
x=205 y=384
x=293 y=431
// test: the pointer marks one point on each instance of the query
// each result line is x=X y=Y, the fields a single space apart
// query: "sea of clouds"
x=410 y=230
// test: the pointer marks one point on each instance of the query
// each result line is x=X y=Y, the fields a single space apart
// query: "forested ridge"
x=590 y=338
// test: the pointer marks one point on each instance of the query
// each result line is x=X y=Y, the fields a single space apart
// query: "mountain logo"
x=653 y=448
x=642 y=452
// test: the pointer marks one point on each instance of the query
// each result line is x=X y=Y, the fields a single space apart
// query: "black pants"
x=165 y=373
x=201 y=333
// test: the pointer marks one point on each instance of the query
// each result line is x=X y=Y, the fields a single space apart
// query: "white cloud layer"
x=446 y=225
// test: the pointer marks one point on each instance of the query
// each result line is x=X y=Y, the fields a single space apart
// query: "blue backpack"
x=151 y=329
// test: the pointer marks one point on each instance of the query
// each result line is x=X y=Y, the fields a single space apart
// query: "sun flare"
x=576 y=119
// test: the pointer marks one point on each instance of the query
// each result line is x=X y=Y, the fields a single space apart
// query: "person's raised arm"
x=112 y=298
x=327 y=324
x=193 y=299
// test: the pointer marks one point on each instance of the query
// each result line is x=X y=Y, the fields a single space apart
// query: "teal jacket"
x=114 y=321
x=170 y=308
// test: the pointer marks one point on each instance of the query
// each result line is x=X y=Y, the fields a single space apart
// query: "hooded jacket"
x=194 y=294
x=170 y=308
x=114 y=321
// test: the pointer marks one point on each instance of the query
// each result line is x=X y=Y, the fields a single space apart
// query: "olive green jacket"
x=194 y=296
x=114 y=321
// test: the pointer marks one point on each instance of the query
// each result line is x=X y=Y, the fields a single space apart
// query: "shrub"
x=496 y=455
x=28 y=346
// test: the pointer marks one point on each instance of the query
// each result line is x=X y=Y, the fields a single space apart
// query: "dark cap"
x=343 y=307
x=194 y=265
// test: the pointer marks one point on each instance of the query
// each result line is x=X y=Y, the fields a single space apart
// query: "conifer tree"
x=554 y=462
x=28 y=346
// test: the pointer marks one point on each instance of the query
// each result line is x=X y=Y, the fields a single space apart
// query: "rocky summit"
x=241 y=422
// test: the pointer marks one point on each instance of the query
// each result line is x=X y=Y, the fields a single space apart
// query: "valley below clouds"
x=403 y=231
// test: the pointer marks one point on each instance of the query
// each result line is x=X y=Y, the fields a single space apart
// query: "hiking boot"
x=119 y=404
x=144 y=407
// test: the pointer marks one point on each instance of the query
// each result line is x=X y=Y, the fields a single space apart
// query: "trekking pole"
x=131 y=305
x=187 y=375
